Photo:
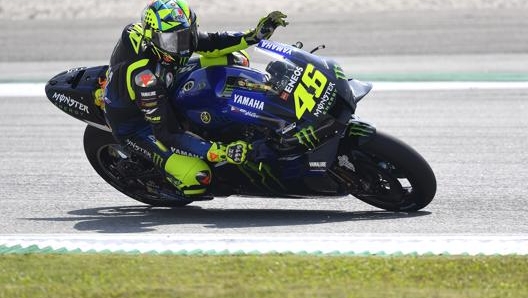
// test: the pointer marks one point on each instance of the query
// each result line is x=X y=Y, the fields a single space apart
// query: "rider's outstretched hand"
x=235 y=153
x=267 y=25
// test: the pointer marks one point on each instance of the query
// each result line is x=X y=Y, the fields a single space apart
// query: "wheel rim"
x=383 y=187
x=109 y=158
x=379 y=183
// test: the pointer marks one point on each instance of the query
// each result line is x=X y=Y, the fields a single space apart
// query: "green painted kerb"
x=34 y=249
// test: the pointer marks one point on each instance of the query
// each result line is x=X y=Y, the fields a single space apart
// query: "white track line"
x=22 y=90
x=37 y=89
x=282 y=243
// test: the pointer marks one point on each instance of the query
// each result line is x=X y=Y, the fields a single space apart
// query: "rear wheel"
x=132 y=176
x=388 y=174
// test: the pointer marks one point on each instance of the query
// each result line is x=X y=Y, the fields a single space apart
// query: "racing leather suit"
x=138 y=110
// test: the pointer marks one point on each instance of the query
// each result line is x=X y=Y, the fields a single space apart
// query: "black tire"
x=98 y=146
x=389 y=161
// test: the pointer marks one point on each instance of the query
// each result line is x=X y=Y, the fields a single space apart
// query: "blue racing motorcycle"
x=298 y=111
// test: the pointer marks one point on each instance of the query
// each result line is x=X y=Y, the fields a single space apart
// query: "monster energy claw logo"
x=339 y=72
x=157 y=160
x=307 y=137
x=264 y=176
x=360 y=129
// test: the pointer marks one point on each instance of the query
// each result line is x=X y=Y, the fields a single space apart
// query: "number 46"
x=304 y=97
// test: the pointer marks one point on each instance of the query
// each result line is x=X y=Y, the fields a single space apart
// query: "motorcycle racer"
x=143 y=65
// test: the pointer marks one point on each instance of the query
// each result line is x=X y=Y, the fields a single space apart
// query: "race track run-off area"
x=170 y=237
x=452 y=83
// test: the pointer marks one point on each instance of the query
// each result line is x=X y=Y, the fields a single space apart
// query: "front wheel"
x=131 y=176
x=386 y=173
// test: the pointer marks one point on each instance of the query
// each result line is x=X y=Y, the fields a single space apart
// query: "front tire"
x=388 y=174
x=105 y=154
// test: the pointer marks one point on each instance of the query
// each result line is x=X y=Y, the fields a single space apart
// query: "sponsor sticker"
x=248 y=101
x=205 y=117
x=64 y=101
x=275 y=47
x=188 y=86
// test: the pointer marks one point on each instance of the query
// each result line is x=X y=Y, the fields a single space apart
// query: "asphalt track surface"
x=475 y=141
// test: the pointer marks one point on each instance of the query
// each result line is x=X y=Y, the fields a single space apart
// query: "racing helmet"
x=170 y=27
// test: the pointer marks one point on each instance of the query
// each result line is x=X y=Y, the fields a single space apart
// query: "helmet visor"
x=177 y=42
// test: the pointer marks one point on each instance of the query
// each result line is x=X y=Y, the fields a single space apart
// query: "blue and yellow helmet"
x=170 y=26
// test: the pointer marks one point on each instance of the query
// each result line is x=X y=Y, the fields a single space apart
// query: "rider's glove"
x=267 y=25
x=235 y=153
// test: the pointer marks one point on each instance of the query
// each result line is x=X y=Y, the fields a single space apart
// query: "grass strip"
x=121 y=275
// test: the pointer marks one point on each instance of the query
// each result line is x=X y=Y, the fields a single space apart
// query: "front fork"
x=344 y=170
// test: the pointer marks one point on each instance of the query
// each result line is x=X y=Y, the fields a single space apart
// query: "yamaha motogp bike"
x=298 y=111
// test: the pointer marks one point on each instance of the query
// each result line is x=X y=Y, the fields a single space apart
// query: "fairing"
x=292 y=90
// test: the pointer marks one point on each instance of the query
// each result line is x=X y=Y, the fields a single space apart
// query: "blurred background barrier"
x=100 y=9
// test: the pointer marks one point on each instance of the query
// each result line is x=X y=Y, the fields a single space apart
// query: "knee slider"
x=191 y=175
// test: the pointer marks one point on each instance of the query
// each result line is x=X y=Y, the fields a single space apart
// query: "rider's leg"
x=190 y=175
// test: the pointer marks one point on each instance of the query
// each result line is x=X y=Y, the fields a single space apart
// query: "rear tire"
x=102 y=151
x=391 y=175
